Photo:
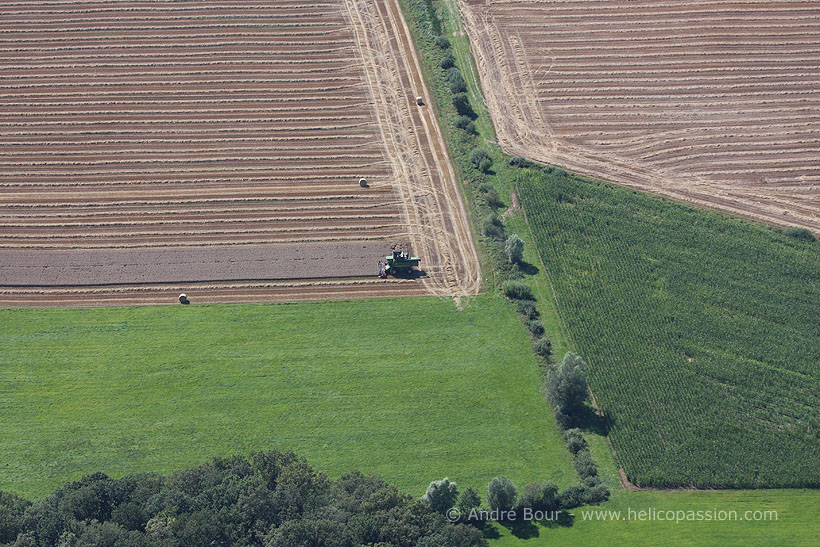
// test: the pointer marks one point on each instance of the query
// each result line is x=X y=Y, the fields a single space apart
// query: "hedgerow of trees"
x=271 y=499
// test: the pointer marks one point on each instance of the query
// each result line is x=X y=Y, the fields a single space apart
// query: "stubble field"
x=708 y=102
x=165 y=126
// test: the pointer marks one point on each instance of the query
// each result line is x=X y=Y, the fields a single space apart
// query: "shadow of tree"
x=589 y=420
x=563 y=519
x=490 y=532
x=522 y=529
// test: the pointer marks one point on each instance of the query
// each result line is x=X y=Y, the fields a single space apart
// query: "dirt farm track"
x=218 y=133
x=710 y=102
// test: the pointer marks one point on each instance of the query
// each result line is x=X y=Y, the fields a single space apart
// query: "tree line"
x=271 y=499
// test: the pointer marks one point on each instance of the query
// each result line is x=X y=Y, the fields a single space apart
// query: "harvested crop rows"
x=708 y=102
x=134 y=125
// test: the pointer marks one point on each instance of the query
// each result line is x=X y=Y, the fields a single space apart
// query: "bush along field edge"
x=482 y=168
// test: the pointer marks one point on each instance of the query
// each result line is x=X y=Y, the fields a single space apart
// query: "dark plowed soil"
x=44 y=268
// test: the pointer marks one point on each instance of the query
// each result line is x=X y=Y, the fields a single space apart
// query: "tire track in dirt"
x=429 y=188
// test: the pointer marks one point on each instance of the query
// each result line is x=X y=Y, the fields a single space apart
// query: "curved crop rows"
x=708 y=102
x=136 y=125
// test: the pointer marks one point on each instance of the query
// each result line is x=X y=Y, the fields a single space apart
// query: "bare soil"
x=81 y=267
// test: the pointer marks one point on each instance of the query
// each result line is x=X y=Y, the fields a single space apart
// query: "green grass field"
x=411 y=389
x=795 y=521
x=795 y=512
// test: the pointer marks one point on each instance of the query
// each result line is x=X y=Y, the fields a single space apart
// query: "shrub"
x=481 y=159
x=536 y=327
x=567 y=384
x=493 y=226
x=493 y=199
x=457 y=83
x=518 y=161
x=596 y=494
x=463 y=106
x=543 y=347
x=593 y=480
x=448 y=61
x=514 y=247
x=441 y=495
x=539 y=496
x=465 y=123
x=564 y=421
x=575 y=440
x=443 y=42
x=468 y=501
x=12 y=511
x=501 y=494
x=573 y=496
x=584 y=464
x=517 y=290
x=514 y=272
x=801 y=233
x=485 y=187
x=527 y=309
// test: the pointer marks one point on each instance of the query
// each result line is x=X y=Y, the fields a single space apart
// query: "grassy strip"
x=122 y=390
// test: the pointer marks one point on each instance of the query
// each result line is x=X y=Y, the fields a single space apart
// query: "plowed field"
x=243 y=125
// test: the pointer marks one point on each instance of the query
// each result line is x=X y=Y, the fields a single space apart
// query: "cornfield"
x=701 y=332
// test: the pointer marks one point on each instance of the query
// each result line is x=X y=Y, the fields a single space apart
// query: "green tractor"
x=400 y=262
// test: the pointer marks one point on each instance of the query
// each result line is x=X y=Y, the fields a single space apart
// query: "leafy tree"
x=457 y=83
x=463 y=106
x=518 y=161
x=539 y=496
x=468 y=501
x=573 y=496
x=481 y=159
x=493 y=227
x=517 y=290
x=567 y=385
x=448 y=61
x=501 y=494
x=543 y=347
x=527 y=309
x=575 y=440
x=493 y=199
x=441 y=495
x=536 y=327
x=584 y=464
x=465 y=123
x=514 y=247
x=442 y=42
x=12 y=510
x=271 y=498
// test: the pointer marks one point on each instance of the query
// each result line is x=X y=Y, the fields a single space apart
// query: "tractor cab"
x=399 y=261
